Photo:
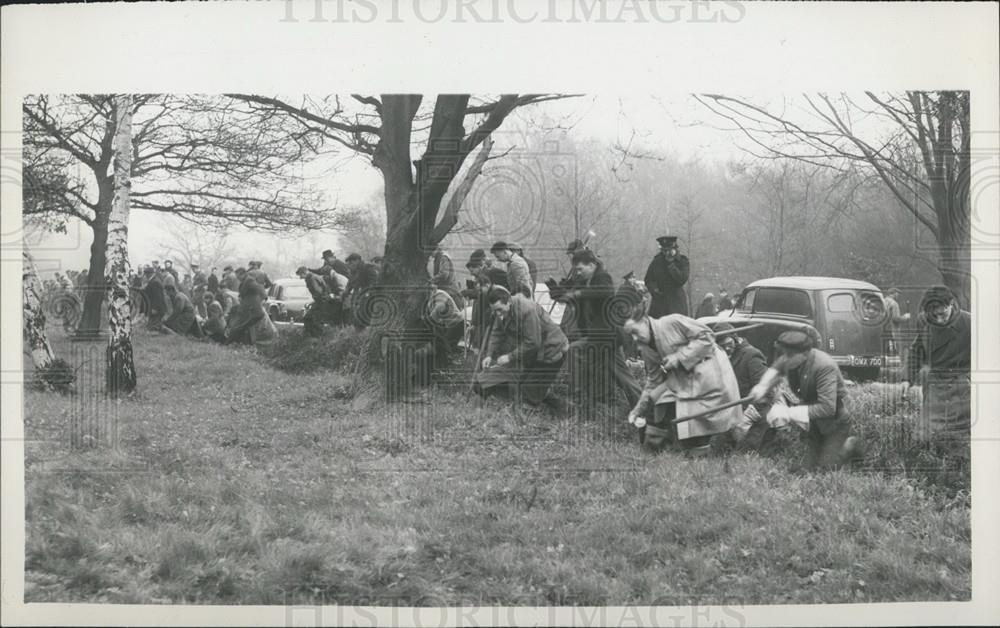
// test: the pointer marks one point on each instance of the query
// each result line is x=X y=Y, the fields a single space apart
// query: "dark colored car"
x=287 y=299
x=845 y=317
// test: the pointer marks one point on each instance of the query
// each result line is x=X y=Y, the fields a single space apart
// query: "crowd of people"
x=700 y=381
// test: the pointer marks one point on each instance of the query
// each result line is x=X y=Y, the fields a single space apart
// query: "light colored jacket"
x=703 y=380
x=519 y=276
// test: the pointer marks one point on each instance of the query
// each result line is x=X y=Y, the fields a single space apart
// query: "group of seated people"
x=228 y=309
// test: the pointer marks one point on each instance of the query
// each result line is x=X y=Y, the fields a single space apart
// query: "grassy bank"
x=238 y=483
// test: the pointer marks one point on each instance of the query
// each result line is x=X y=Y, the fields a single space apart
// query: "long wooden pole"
x=724 y=406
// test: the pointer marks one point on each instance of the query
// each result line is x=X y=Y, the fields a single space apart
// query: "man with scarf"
x=939 y=360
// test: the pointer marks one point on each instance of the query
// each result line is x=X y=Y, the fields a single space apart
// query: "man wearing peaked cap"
x=821 y=411
x=665 y=279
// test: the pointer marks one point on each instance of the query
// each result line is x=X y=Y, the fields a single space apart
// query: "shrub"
x=58 y=376
x=338 y=349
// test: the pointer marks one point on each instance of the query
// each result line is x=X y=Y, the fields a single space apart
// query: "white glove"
x=778 y=416
x=799 y=416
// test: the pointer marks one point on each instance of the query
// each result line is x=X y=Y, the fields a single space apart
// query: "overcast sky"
x=673 y=123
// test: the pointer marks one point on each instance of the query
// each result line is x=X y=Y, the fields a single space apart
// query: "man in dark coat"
x=597 y=359
x=198 y=277
x=749 y=366
x=485 y=277
x=212 y=281
x=182 y=318
x=259 y=275
x=821 y=405
x=939 y=360
x=331 y=263
x=362 y=280
x=525 y=349
x=229 y=280
x=725 y=303
x=665 y=279
x=320 y=312
x=155 y=299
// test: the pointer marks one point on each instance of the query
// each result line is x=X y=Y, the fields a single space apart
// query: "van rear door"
x=854 y=321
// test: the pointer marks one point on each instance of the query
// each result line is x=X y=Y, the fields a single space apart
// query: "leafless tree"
x=209 y=160
x=831 y=131
x=389 y=129
x=189 y=244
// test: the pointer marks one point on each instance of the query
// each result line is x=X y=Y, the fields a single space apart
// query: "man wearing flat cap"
x=820 y=406
x=939 y=361
x=665 y=279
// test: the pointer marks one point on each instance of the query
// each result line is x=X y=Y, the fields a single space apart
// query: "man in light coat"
x=686 y=372
x=518 y=273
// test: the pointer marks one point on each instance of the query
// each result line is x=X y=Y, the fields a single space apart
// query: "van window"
x=745 y=302
x=841 y=302
x=783 y=301
x=872 y=307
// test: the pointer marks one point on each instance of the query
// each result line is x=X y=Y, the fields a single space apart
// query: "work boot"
x=851 y=450
x=654 y=439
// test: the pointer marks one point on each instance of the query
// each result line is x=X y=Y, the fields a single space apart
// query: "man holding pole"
x=686 y=373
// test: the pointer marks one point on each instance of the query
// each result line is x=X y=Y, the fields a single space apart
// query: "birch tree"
x=121 y=375
x=205 y=159
x=36 y=342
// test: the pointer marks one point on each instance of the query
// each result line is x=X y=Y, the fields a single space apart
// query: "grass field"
x=235 y=483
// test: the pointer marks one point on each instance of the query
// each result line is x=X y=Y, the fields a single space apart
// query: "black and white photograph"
x=384 y=346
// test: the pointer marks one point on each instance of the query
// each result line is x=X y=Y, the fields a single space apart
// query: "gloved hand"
x=752 y=413
x=779 y=416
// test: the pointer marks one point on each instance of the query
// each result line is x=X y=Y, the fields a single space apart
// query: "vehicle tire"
x=863 y=374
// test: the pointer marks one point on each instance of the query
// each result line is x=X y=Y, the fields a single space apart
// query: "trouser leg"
x=659 y=431
x=624 y=377
x=538 y=378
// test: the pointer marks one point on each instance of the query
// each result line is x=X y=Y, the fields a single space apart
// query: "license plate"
x=866 y=360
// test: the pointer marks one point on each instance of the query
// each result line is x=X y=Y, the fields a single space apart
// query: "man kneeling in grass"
x=525 y=349
x=815 y=379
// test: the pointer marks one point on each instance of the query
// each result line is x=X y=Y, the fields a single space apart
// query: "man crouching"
x=816 y=380
x=686 y=373
x=525 y=349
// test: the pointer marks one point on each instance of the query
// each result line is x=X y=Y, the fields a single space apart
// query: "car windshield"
x=295 y=292
x=782 y=301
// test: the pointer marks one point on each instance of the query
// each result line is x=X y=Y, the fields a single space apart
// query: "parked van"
x=845 y=318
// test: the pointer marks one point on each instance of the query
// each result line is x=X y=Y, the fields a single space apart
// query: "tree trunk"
x=121 y=376
x=35 y=340
x=94 y=292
